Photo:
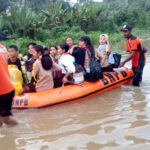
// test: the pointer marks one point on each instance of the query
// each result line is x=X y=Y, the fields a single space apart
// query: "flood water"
x=116 y=120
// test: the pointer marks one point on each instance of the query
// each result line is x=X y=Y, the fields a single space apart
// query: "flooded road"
x=116 y=120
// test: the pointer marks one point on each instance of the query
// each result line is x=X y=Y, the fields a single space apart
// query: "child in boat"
x=29 y=58
x=53 y=52
x=30 y=47
x=14 y=60
x=66 y=62
x=85 y=43
x=42 y=69
x=105 y=53
x=57 y=75
x=13 y=56
x=70 y=42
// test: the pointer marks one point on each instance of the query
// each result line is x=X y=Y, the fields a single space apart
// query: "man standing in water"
x=6 y=90
x=135 y=48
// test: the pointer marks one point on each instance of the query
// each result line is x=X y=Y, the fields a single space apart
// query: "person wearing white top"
x=66 y=61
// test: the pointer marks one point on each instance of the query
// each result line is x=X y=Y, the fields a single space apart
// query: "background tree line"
x=48 y=20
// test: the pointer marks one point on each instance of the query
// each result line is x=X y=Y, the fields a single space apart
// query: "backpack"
x=144 y=49
x=117 y=58
x=94 y=71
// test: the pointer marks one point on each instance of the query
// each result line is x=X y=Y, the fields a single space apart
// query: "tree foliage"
x=3 y=5
x=50 y=18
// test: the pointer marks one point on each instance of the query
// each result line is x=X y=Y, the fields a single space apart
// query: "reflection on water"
x=116 y=120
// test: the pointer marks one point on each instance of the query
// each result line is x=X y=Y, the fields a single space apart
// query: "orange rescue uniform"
x=138 y=61
x=5 y=83
x=134 y=44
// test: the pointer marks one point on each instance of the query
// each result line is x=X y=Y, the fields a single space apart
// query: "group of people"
x=45 y=68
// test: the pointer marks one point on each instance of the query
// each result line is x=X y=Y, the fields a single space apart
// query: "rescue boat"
x=73 y=93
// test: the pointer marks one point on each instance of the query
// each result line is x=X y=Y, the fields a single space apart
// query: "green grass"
x=116 y=39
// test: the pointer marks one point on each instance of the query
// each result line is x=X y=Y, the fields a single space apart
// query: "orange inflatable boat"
x=72 y=93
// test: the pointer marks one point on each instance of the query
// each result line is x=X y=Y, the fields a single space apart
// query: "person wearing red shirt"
x=6 y=90
x=135 y=47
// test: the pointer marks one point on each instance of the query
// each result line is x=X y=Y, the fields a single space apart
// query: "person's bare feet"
x=9 y=121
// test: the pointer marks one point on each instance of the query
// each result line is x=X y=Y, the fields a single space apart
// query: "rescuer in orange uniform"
x=135 y=47
x=6 y=90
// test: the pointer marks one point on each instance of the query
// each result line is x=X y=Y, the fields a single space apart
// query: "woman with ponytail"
x=42 y=69
x=91 y=65
x=85 y=43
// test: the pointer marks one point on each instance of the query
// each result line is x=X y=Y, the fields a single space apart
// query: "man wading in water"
x=135 y=48
x=6 y=90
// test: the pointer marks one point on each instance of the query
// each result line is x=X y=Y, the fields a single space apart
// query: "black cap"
x=126 y=28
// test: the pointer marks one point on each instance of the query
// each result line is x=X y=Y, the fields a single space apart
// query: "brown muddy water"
x=116 y=120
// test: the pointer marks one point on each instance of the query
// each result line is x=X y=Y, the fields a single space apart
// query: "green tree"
x=4 y=5
x=84 y=1
x=39 y=5
x=115 y=4
x=147 y=5
x=2 y=22
x=22 y=22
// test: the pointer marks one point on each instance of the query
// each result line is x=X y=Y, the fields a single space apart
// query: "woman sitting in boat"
x=84 y=52
x=66 y=62
x=53 y=52
x=68 y=66
x=42 y=69
x=91 y=64
x=85 y=43
x=29 y=58
x=105 y=53
x=57 y=75
x=70 y=42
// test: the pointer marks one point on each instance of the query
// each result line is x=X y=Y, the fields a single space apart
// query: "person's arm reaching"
x=56 y=67
x=108 y=48
x=127 y=59
x=65 y=78
x=35 y=70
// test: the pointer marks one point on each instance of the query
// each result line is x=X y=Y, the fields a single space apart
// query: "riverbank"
x=118 y=43
x=116 y=39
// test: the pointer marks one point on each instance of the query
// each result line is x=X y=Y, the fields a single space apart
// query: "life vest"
x=16 y=78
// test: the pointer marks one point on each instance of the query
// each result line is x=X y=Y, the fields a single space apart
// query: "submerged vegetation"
x=51 y=21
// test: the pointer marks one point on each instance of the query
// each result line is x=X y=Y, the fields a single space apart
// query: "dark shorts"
x=5 y=104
